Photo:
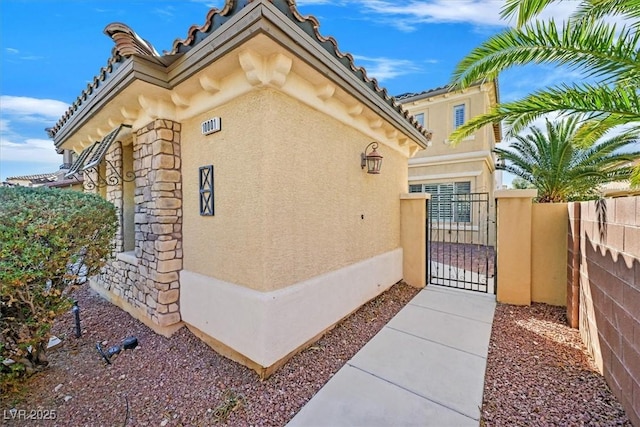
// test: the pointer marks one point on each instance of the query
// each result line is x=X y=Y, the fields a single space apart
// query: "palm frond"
x=618 y=105
x=597 y=49
x=592 y=130
x=635 y=177
x=524 y=10
x=598 y=9
x=559 y=168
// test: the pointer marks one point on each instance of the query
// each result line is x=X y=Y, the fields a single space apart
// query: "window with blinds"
x=449 y=202
x=458 y=116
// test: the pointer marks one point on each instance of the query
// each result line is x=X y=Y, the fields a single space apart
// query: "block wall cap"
x=513 y=194
x=412 y=196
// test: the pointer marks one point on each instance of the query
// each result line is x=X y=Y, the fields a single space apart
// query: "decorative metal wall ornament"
x=206 y=191
x=88 y=163
x=112 y=176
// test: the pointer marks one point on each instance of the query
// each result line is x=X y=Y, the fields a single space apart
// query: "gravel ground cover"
x=180 y=381
x=537 y=373
x=540 y=374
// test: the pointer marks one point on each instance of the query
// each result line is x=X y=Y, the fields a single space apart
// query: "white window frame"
x=444 y=206
x=459 y=115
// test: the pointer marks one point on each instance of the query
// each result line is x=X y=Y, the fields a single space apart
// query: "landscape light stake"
x=76 y=314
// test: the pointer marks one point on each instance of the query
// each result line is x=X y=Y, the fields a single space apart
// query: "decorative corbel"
x=279 y=69
x=355 y=110
x=325 y=91
x=375 y=124
x=179 y=100
x=208 y=84
x=252 y=65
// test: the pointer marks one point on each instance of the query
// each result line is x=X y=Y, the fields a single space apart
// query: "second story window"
x=458 y=116
x=420 y=118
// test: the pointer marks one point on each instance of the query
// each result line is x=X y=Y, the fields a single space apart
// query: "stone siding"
x=148 y=278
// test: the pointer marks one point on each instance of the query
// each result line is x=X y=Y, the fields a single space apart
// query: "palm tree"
x=520 y=184
x=607 y=55
x=568 y=163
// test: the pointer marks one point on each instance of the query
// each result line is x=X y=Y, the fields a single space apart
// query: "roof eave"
x=134 y=68
x=265 y=18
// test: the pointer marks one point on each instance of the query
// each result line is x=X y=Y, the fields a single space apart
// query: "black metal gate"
x=461 y=241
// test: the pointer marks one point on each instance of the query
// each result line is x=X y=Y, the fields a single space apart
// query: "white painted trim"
x=267 y=326
x=411 y=196
x=450 y=158
x=444 y=176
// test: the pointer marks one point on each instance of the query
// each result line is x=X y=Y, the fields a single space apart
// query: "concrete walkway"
x=424 y=368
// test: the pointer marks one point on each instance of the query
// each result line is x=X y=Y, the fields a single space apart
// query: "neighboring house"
x=468 y=167
x=621 y=188
x=235 y=163
x=57 y=179
x=37 y=180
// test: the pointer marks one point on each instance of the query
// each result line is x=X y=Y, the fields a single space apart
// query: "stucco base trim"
x=263 y=329
x=135 y=312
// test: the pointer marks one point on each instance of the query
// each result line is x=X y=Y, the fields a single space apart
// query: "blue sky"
x=50 y=50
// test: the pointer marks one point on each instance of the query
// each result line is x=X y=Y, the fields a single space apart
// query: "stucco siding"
x=288 y=206
x=229 y=244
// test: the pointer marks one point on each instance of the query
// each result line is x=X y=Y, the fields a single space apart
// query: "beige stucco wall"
x=514 y=246
x=413 y=236
x=549 y=253
x=471 y=160
x=475 y=172
x=438 y=111
x=291 y=201
x=443 y=168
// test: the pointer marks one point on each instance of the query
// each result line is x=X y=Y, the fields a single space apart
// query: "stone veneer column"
x=158 y=220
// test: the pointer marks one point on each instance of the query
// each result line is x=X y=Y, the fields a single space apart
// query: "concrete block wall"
x=603 y=259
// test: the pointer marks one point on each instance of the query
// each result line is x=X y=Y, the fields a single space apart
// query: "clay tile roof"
x=112 y=64
x=310 y=25
x=46 y=177
x=424 y=94
x=129 y=43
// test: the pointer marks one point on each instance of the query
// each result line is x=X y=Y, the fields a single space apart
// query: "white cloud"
x=218 y=4
x=407 y=15
x=167 y=12
x=22 y=120
x=386 y=68
x=22 y=106
x=11 y=50
x=31 y=150
x=313 y=2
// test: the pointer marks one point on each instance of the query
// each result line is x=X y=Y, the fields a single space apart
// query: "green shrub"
x=44 y=234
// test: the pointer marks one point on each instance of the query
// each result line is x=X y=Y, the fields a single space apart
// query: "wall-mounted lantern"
x=373 y=160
